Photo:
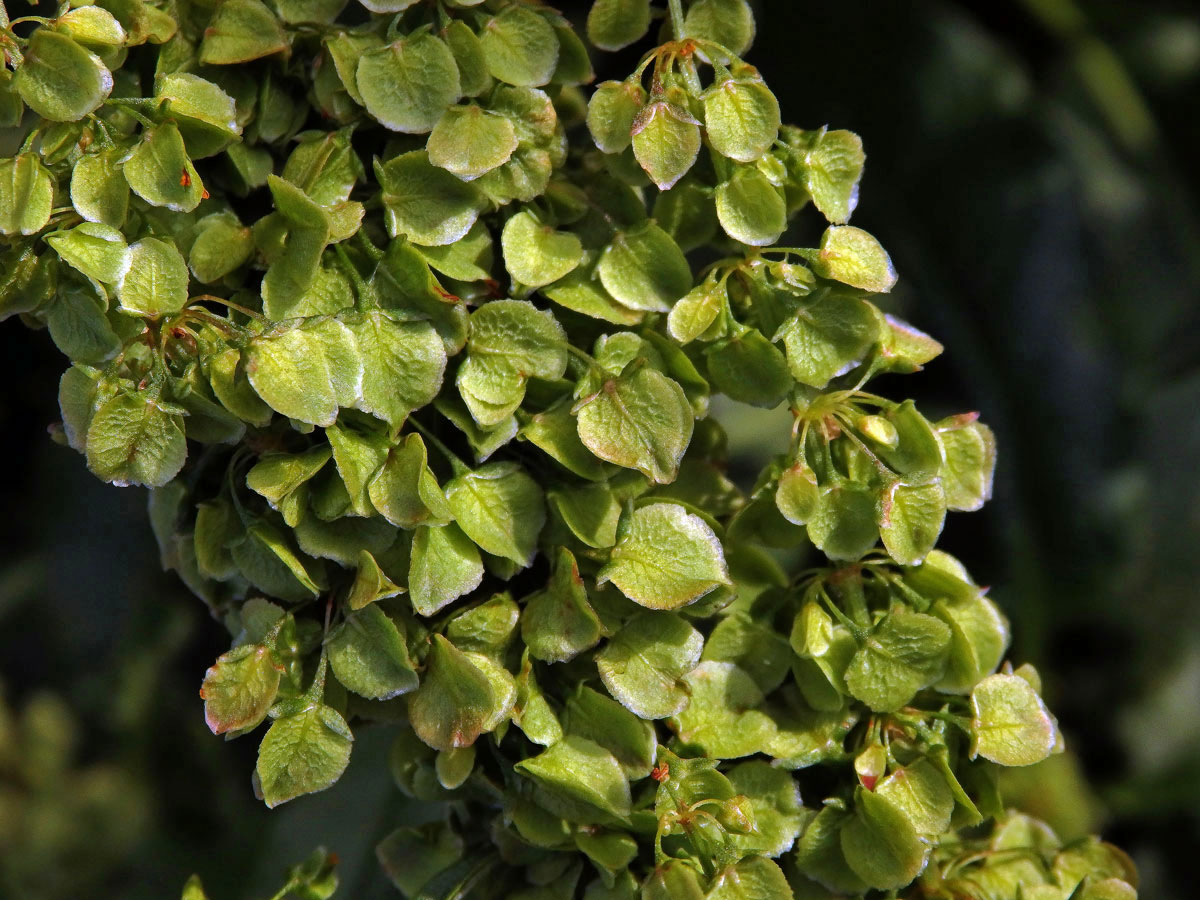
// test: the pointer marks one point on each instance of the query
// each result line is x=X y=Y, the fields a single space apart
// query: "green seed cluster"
x=414 y=341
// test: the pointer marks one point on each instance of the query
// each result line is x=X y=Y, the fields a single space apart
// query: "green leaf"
x=393 y=6
x=468 y=54
x=193 y=889
x=299 y=374
x=641 y=420
x=345 y=364
x=404 y=489
x=1011 y=725
x=26 y=194
x=696 y=311
x=592 y=715
x=517 y=339
x=99 y=191
x=412 y=856
x=880 y=843
x=536 y=254
x=248 y=167
x=346 y=48
x=344 y=537
x=371 y=583
x=445 y=565
x=906 y=652
x=427 y=204
x=591 y=512
x=268 y=561
x=302 y=754
x=325 y=167
x=969 y=461
x=979 y=637
x=226 y=372
x=484 y=441
x=580 y=781
x=403 y=364
x=500 y=508
x=532 y=713
x=78 y=324
x=467 y=259
x=222 y=245
x=721 y=718
x=666 y=142
x=611 y=851
x=368 y=655
x=852 y=256
x=665 y=558
x=687 y=213
x=828 y=337
x=910 y=519
x=77 y=398
x=574 y=66
x=917 y=455
x=754 y=878
x=775 y=798
x=843 y=524
x=407 y=85
x=920 y=791
x=644 y=269
x=456 y=701
x=156 y=280
x=558 y=623
x=60 y=80
x=487 y=628
x=206 y=115
x=217 y=527
x=98 y=251
x=279 y=476
x=292 y=272
x=903 y=348
x=404 y=283
x=728 y=22
x=92 y=26
x=511 y=341
x=741 y=119
x=239 y=688
x=797 y=495
x=615 y=24
x=321 y=12
x=612 y=109
x=833 y=165
x=644 y=663
x=750 y=209
x=358 y=456
x=762 y=652
x=581 y=292
x=161 y=173
x=819 y=853
x=470 y=141
x=241 y=30
x=748 y=368
x=132 y=439
x=520 y=47
x=454 y=767
x=675 y=879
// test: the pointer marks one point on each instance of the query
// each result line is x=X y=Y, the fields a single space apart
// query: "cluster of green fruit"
x=430 y=437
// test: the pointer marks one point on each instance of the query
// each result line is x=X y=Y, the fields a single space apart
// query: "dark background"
x=1032 y=167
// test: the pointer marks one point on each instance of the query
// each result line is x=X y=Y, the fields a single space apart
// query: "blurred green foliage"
x=1032 y=171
